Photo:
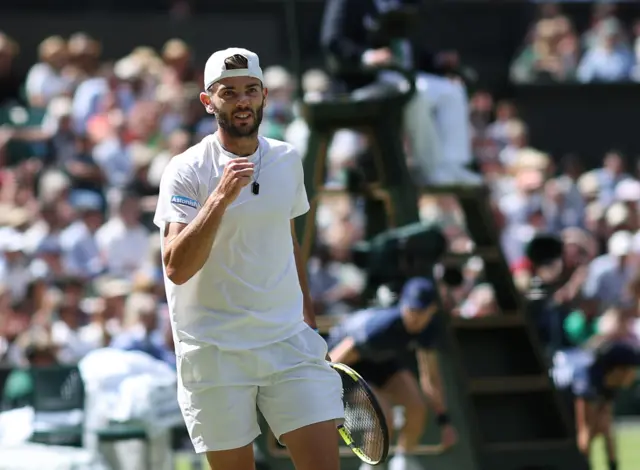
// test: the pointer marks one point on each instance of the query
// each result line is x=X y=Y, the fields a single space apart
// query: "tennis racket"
x=364 y=429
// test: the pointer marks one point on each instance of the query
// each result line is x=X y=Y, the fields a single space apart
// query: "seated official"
x=360 y=35
x=614 y=366
x=376 y=342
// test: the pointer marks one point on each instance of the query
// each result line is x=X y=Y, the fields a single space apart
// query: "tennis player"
x=375 y=342
x=236 y=285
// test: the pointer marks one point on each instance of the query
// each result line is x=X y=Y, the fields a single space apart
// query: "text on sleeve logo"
x=184 y=201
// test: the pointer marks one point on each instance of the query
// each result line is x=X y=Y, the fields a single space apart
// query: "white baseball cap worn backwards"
x=215 y=69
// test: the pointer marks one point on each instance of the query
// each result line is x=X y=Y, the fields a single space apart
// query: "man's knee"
x=314 y=447
x=241 y=458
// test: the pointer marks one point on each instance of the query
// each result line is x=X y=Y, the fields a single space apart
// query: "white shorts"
x=290 y=382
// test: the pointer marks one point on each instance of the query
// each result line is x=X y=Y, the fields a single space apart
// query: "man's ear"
x=205 y=99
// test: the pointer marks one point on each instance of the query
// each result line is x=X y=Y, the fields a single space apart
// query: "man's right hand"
x=237 y=174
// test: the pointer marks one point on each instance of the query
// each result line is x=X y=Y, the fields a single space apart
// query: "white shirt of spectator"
x=16 y=276
x=43 y=80
x=73 y=346
x=80 y=251
x=123 y=249
x=248 y=294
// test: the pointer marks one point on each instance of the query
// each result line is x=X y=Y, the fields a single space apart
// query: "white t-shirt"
x=247 y=294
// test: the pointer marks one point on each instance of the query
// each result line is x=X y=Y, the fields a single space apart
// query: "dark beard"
x=225 y=123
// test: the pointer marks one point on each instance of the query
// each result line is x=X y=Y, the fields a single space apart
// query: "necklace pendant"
x=255 y=188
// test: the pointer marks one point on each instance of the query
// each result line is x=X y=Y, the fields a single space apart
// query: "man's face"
x=238 y=104
x=416 y=320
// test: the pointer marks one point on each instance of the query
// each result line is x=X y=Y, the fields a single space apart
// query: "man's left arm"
x=301 y=267
x=432 y=387
x=430 y=380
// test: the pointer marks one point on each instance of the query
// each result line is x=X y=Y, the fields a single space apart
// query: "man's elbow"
x=175 y=275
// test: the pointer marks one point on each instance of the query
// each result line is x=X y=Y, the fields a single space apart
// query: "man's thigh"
x=217 y=396
x=403 y=389
x=306 y=390
x=220 y=418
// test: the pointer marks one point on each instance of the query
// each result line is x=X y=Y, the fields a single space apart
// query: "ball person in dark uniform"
x=614 y=366
x=375 y=343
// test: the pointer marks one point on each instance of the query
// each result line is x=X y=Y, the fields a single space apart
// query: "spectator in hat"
x=106 y=312
x=10 y=79
x=609 y=274
x=627 y=192
x=45 y=80
x=589 y=186
x=84 y=54
x=130 y=71
x=14 y=269
x=54 y=188
x=618 y=217
x=177 y=57
x=80 y=250
x=516 y=139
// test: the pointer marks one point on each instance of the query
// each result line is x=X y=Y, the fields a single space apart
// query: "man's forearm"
x=186 y=254
x=431 y=381
x=301 y=267
x=435 y=396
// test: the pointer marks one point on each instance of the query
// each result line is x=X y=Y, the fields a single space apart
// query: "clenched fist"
x=237 y=174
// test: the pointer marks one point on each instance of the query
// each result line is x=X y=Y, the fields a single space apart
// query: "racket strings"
x=362 y=420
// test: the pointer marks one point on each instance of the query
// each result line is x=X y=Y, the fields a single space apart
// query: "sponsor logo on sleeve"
x=184 y=201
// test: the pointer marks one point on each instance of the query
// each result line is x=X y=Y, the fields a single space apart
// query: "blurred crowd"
x=608 y=51
x=84 y=141
x=591 y=259
x=83 y=144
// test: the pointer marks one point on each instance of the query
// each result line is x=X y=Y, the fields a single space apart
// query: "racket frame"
x=344 y=432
